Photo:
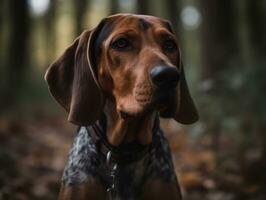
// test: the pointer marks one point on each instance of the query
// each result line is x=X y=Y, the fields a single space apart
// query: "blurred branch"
x=50 y=24
x=142 y=7
x=174 y=13
x=256 y=11
x=1 y=21
x=114 y=7
x=80 y=7
x=218 y=36
x=219 y=49
x=18 y=43
x=1 y=45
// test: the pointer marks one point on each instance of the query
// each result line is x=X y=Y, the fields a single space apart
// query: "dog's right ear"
x=73 y=82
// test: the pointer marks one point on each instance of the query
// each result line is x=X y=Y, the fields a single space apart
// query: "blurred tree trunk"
x=18 y=43
x=218 y=36
x=219 y=47
x=173 y=7
x=256 y=11
x=80 y=7
x=1 y=24
x=263 y=140
x=50 y=24
x=142 y=7
x=114 y=7
x=1 y=47
x=1 y=21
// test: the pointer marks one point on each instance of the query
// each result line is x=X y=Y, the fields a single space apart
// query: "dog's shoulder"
x=160 y=163
x=82 y=159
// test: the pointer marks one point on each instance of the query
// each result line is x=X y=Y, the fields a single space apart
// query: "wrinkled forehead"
x=138 y=22
x=121 y=23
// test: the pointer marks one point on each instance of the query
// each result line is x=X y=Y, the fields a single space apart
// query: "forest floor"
x=33 y=155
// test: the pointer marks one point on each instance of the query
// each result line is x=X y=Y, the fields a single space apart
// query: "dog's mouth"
x=125 y=115
x=164 y=101
x=164 y=95
x=144 y=101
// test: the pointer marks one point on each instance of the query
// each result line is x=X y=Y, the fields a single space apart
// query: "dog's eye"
x=121 y=44
x=169 y=45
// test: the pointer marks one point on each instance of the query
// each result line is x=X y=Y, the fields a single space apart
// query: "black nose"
x=164 y=76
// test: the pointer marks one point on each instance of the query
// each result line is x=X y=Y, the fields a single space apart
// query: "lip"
x=125 y=116
x=163 y=100
x=164 y=95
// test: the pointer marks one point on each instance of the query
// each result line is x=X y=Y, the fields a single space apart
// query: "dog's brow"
x=127 y=31
x=168 y=26
x=144 y=24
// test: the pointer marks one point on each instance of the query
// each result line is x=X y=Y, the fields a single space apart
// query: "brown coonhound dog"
x=115 y=81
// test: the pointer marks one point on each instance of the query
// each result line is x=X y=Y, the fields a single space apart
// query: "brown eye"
x=121 y=44
x=169 y=45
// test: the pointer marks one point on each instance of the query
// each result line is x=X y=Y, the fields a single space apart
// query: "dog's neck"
x=120 y=130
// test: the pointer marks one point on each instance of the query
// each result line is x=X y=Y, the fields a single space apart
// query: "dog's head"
x=131 y=60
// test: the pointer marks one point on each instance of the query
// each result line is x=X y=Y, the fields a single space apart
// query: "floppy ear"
x=186 y=110
x=72 y=80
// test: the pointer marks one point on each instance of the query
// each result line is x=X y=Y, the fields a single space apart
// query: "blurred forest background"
x=223 y=42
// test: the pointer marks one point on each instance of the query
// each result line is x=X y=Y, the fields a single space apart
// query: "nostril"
x=164 y=76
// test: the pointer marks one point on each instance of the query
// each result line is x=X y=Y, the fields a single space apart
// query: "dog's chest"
x=85 y=164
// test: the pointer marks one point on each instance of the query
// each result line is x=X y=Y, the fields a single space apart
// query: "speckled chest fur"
x=86 y=164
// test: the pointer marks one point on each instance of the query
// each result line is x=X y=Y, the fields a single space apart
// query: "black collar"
x=124 y=153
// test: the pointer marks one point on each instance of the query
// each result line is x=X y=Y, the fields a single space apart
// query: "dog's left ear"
x=186 y=112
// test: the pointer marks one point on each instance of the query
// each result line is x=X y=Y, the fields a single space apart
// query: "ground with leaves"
x=32 y=157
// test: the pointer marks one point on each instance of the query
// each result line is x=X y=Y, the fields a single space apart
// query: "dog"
x=115 y=81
